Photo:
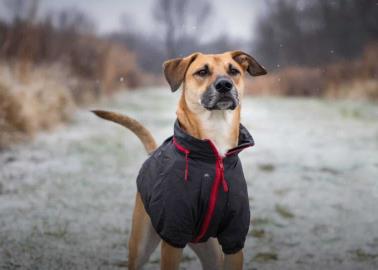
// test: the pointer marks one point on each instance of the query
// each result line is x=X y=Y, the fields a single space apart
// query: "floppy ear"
x=248 y=63
x=175 y=70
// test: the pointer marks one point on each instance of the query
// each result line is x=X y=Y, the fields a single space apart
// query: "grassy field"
x=66 y=199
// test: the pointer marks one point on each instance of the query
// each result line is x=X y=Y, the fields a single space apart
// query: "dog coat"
x=191 y=193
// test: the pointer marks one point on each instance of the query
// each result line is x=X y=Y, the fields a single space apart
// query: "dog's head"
x=211 y=81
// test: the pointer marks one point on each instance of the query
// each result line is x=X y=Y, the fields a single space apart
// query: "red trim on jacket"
x=219 y=177
x=186 y=152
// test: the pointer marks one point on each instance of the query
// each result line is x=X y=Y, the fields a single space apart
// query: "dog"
x=191 y=189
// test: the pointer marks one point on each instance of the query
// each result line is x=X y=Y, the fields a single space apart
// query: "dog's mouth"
x=219 y=102
x=225 y=103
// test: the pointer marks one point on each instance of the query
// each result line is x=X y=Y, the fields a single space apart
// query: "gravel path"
x=66 y=199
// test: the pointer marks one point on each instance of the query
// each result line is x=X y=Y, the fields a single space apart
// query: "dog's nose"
x=223 y=85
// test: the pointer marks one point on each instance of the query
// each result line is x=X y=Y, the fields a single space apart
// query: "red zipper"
x=219 y=177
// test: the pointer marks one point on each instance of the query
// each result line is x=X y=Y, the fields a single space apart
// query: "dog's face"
x=212 y=81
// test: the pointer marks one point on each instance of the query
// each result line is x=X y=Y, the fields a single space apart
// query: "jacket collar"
x=205 y=148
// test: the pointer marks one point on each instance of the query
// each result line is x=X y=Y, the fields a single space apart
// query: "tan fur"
x=143 y=238
x=143 y=134
x=193 y=117
x=234 y=261
x=221 y=127
x=170 y=257
x=188 y=120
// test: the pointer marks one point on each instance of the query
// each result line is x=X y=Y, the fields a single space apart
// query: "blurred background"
x=90 y=50
x=67 y=180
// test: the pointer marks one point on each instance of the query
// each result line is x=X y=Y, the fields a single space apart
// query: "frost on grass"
x=66 y=199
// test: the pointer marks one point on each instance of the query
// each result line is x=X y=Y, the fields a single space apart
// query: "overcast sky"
x=235 y=17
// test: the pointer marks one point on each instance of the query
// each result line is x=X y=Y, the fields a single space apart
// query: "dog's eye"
x=202 y=72
x=233 y=71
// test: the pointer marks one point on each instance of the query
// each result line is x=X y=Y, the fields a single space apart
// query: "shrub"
x=26 y=108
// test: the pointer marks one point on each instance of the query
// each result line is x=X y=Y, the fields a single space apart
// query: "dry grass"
x=358 y=79
x=45 y=71
x=26 y=108
x=292 y=81
x=108 y=66
x=39 y=97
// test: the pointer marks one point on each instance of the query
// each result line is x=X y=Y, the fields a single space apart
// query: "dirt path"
x=66 y=199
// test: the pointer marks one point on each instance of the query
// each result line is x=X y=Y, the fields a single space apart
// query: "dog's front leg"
x=234 y=261
x=170 y=256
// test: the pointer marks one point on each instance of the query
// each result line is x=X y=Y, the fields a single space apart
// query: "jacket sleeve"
x=234 y=227
x=235 y=230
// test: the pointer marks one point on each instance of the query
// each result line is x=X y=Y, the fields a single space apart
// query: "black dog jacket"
x=191 y=193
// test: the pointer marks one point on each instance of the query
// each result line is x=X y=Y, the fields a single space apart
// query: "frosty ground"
x=66 y=199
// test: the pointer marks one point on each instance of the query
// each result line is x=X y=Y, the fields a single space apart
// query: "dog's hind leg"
x=209 y=253
x=143 y=239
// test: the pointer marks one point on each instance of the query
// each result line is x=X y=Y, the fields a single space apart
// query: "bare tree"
x=181 y=19
x=312 y=33
x=75 y=21
x=22 y=10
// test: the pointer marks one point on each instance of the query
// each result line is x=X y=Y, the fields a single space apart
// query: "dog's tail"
x=137 y=128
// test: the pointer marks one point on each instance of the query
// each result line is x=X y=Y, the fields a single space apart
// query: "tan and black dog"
x=208 y=111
